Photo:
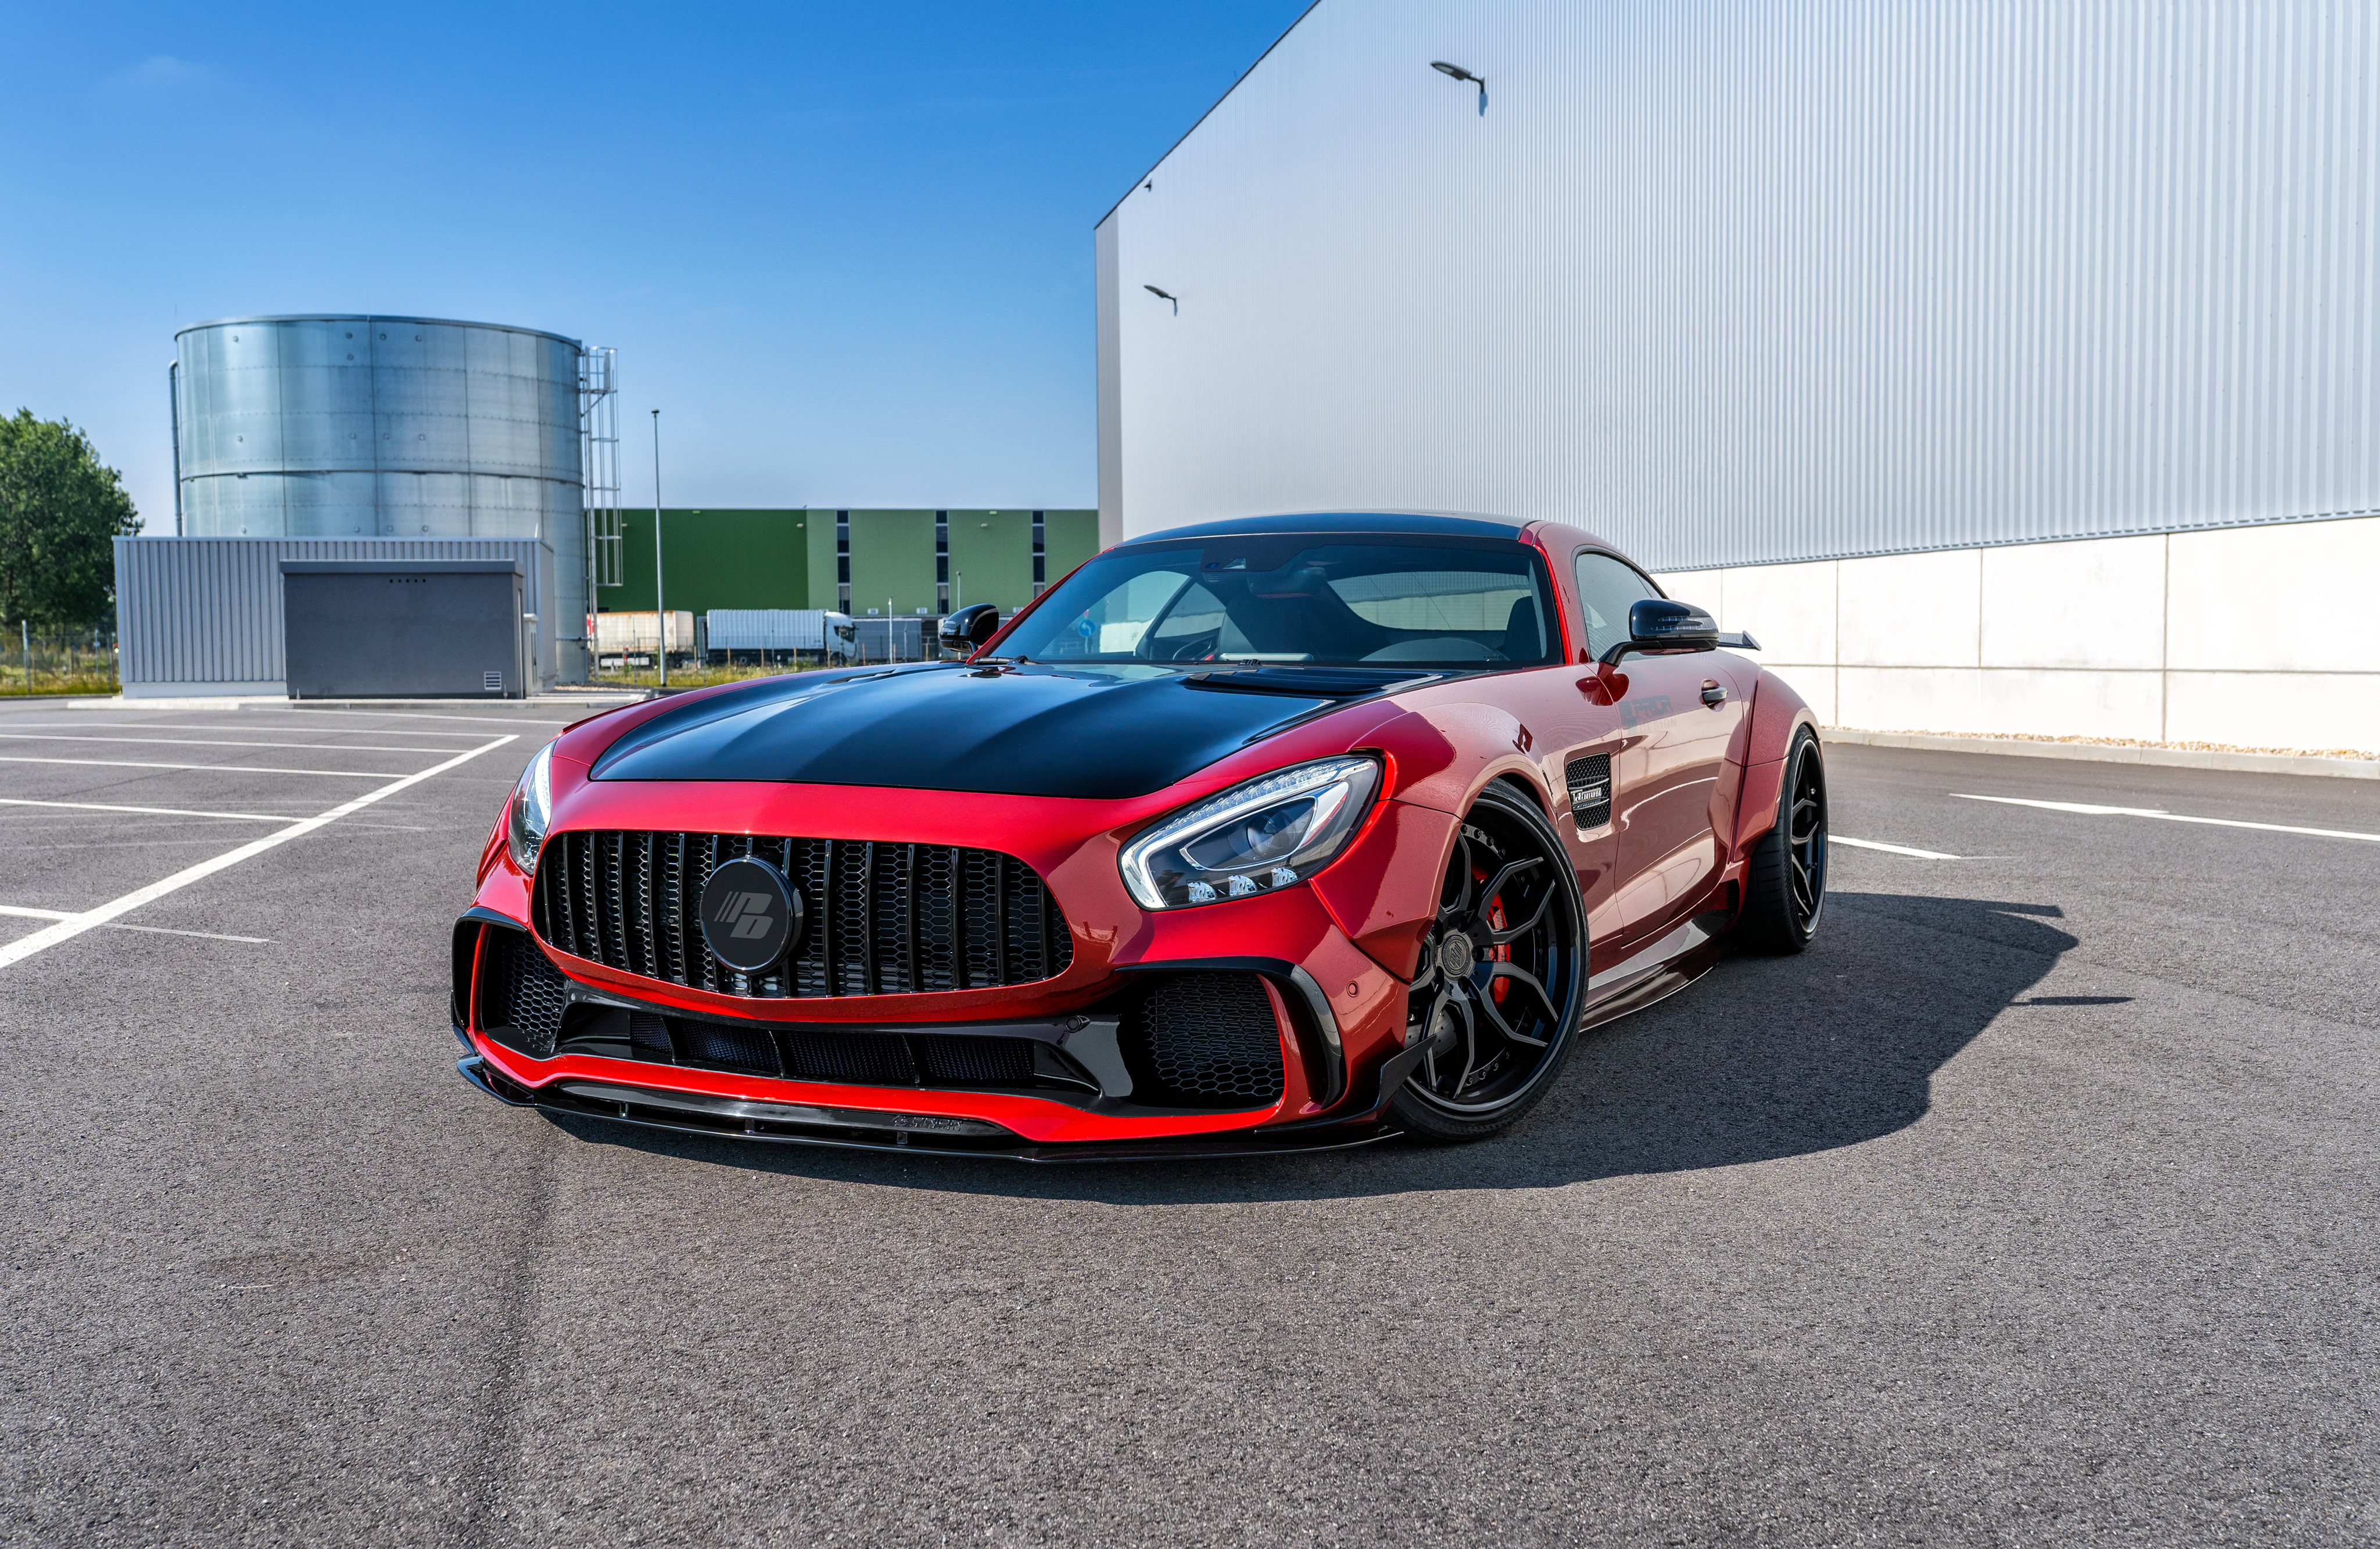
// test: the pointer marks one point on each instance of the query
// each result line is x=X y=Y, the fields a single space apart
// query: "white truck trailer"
x=775 y=633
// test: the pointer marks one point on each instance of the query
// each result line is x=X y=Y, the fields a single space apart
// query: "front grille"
x=878 y=919
x=1204 y=1040
x=522 y=996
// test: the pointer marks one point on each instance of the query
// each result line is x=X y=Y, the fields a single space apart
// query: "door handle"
x=1714 y=693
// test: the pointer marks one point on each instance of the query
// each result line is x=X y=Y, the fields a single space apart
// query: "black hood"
x=1030 y=730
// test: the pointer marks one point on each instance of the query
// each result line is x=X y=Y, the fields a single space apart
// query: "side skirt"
x=1657 y=972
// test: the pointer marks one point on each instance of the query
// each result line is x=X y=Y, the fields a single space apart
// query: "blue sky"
x=847 y=250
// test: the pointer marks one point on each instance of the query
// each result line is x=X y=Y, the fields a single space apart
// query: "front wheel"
x=1785 y=887
x=1502 y=976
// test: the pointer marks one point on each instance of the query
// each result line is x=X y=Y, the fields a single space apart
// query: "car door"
x=1673 y=801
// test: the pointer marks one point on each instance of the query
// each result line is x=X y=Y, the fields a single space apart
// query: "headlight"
x=532 y=804
x=1258 y=837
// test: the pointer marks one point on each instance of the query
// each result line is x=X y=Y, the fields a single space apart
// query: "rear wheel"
x=1502 y=975
x=1785 y=887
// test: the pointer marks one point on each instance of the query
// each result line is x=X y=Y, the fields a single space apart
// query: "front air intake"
x=1204 y=1040
x=522 y=996
x=878 y=919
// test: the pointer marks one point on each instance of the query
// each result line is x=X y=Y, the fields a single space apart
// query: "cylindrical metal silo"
x=325 y=426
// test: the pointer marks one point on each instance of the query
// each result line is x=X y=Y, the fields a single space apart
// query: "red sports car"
x=1277 y=833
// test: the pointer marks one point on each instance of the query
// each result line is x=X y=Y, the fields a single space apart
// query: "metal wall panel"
x=195 y=612
x=369 y=426
x=1742 y=281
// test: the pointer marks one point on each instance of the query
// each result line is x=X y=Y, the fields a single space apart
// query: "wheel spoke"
x=1487 y=894
x=1508 y=970
x=1501 y=938
x=1462 y=905
x=1488 y=1003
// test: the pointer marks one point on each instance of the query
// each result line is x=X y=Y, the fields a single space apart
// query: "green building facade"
x=858 y=562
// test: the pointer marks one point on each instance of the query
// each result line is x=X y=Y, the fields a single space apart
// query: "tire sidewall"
x=1805 y=745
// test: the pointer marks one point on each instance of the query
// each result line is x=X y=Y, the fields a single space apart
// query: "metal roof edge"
x=382 y=317
x=1208 y=114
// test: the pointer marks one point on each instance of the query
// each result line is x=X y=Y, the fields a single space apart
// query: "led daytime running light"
x=1160 y=872
x=531 y=808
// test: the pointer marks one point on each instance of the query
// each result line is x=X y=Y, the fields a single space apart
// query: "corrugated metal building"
x=1790 y=289
x=203 y=617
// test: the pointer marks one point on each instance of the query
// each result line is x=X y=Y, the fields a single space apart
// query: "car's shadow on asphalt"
x=1764 y=1057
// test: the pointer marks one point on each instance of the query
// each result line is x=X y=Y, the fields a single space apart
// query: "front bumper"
x=1340 y=1013
x=861 y=1129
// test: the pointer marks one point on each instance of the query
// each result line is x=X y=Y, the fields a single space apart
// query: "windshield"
x=1391 y=601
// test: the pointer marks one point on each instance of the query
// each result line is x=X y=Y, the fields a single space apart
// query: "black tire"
x=1785 y=888
x=1496 y=1051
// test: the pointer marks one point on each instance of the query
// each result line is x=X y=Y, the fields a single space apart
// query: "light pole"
x=660 y=611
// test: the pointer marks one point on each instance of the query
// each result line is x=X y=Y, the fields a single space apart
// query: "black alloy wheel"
x=1785 y=891
x=1503 y=973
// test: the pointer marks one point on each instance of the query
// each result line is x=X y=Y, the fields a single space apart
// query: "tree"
x=60 y=510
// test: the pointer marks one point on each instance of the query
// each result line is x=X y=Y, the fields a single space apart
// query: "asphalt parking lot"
x=2034 y=1205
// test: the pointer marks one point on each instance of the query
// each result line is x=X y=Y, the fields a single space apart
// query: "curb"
x=2109 y=753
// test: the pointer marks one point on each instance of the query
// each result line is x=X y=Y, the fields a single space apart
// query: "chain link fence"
x=69 y=662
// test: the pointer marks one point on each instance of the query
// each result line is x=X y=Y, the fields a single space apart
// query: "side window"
x=1607 y=590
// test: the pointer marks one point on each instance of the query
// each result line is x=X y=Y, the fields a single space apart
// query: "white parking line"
x=177 y=725
x=406 y=716
x=67 y=930
x=1890 y=849
x=210 y=742
x=119 y=925
x=2087 y=810
x=212 y=768
x=144 y=812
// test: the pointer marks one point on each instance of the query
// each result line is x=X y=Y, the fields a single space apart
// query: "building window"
x=1040 y=561
x=843 y=598
x=842 y=553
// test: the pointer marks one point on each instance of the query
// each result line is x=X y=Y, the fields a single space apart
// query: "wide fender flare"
x=1384 y=893
x=1778 y=716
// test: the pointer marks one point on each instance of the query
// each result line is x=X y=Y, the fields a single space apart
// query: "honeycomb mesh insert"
x=523 y=995
x=1205 y=1041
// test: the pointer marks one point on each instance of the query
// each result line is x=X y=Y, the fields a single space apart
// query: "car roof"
x=1452 y=524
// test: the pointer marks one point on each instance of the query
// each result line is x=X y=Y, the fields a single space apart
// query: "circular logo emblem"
x=751 y=914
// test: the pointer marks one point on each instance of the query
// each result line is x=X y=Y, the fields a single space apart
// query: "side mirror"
x=967 y=630
x=1655 y=625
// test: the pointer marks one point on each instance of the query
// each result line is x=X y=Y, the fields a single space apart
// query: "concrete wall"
x=2263 y=637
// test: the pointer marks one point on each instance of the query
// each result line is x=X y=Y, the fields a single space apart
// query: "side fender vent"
x=1590 y=790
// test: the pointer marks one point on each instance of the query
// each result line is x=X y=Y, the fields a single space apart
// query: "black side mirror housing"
x=1657 y=625
x=966 y=630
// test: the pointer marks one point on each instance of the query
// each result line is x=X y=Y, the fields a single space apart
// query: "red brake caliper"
x=1498 y=988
